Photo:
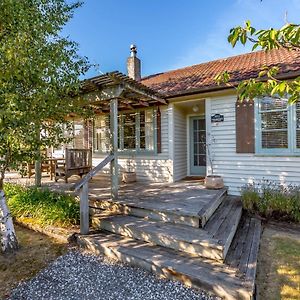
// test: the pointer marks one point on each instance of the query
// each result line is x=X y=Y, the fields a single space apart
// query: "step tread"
x=215 y=277
x=194 y=205
x=173 y=231
x=222 y=225
x=243 y=252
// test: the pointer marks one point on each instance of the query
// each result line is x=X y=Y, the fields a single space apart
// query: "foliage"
x=266 y=81
x=44 y=206
x=271 y=199
x=39 y=78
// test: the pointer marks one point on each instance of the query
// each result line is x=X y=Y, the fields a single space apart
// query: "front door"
x=197 y=146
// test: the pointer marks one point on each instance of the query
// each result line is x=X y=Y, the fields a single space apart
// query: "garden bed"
x=272 y=200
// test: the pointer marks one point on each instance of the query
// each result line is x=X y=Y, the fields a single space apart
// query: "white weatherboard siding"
x=180 y=144
x=239 y=169
x=148 y=167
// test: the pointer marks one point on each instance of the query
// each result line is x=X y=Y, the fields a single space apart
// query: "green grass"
x=279 y=268
x=45 y=207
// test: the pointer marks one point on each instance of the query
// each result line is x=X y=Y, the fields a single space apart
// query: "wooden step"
x=184 y=238
x=243 y=252
x=231 y=280
x=211 y=242
x=195 y=209
x=223 y=224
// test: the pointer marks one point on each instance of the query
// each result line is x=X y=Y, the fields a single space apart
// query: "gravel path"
x=82 y=276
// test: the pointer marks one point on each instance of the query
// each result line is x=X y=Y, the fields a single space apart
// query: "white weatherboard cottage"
x=168 y=142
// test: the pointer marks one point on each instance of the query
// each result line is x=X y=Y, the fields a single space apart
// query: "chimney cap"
x=133 y=50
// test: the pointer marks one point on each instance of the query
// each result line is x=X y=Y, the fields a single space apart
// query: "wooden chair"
x=78 y=162
x=31 y=168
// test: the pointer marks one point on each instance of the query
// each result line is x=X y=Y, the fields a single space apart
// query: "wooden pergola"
x=110 y=93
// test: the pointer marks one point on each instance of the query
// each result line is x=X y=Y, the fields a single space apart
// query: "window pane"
x=101 y=133
x=146 y=130
x=274 y=123
x=78 y=135
x=129 y=131
x=274 y=120
x=271 y=103
x=275 y=139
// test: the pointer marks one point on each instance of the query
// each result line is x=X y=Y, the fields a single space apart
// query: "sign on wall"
x=216 y=118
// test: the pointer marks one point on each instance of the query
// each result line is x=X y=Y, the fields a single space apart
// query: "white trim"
x=171 y=138
x=209 y=137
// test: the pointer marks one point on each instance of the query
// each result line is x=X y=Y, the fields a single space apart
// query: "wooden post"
x=38 y=162
x=114 y=148
x=84 y=209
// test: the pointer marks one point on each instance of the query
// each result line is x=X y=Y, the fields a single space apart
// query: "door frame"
x=188 y=123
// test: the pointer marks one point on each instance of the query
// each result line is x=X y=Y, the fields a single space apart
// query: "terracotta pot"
x=214 y=182
x=128 y=177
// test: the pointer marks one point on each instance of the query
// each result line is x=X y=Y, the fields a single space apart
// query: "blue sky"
x=168 y=34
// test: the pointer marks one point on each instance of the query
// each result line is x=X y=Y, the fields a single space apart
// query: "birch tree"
x=39 y=80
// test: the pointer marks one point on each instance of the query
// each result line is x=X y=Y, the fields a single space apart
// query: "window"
x=78 y=135
x=135 y=131
x=101 y=133
x=75 y=134
x=277 y=126
x=146 y=130
x=128 y=122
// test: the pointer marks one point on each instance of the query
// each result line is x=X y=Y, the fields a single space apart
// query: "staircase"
x=194 y=235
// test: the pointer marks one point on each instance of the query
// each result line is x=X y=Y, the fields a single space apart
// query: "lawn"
x=278 y=274
x=35 y=253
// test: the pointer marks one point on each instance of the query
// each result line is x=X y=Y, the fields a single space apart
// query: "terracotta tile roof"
x=200 y=78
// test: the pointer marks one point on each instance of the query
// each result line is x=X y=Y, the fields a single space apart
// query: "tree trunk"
x=38 y=162
x=38 y=173
x=8 y=239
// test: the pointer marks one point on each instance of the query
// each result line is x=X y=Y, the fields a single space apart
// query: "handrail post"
x=114 y=148
x=84 y=209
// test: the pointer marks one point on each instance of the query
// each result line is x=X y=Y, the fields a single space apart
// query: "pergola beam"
x=104 y=94
x=144 y=93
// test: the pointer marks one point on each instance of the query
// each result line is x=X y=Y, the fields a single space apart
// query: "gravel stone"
x=78 y=275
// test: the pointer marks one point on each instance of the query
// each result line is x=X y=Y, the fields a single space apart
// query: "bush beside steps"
x=272 y=200
x=42 y=206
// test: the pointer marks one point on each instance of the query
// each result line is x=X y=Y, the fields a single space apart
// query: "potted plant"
x=129 y=175
x=212 y=181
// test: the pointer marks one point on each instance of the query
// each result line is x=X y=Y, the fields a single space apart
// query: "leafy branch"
x=268 y=81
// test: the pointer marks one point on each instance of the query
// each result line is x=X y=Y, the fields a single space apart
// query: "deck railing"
x=83 y=187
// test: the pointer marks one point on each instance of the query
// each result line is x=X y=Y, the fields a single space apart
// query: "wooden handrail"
x=93 y=172
x=83 y=187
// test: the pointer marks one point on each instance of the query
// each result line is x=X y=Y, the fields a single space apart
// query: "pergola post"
x=114 y=148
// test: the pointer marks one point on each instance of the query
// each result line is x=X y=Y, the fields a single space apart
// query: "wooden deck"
x=186 y=199
x=179 y=230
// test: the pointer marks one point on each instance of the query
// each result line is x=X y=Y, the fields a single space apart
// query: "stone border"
x=60 y=234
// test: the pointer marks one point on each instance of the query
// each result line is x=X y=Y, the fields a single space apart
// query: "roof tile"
x=200 y=77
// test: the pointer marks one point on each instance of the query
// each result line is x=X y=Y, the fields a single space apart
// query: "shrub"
x=272 y=200
x=44 y=206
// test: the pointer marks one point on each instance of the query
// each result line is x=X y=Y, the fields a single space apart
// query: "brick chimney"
x=133 y=64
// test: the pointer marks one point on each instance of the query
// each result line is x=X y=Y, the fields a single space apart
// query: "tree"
x=266 y=82
x=39 y=84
